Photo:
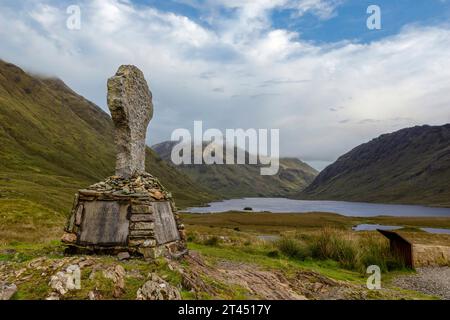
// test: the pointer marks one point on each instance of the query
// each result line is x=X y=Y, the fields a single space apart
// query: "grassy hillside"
x=53 y=142
x=236 y=256
x=244 y=180
x=408 y=166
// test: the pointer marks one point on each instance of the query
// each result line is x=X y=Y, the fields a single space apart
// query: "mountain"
x=408 y=166
x=244 y=180
x=53 y=142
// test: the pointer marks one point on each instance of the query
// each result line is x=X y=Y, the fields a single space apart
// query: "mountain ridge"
x=411 y=165
x=244 y=180
x=55 y=141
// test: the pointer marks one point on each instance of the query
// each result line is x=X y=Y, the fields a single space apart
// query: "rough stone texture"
x=64 y=281
x=165 y=225
x=141 y=209
x=141 y=218
x=108 y=221
x=141 y=233
x=143 y=243
x=79 y=215
x=123 y=256
x=117 y=275
x=130 y=103
x=7 y=291
x=69 y=238
x=151 y=252
x=157 y=289
x=142 y=226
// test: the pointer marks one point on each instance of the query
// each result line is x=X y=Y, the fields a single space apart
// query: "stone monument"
x=130 y=211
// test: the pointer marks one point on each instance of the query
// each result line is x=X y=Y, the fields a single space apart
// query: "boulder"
x=123 y=256
x=157 y=289
x=7 y=291
x=130 y=103
x=64 y=281
x=117 y=275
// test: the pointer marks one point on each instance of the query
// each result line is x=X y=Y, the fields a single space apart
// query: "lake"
x=355 y=209
x=373 y=227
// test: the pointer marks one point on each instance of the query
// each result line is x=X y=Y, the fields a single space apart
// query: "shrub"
x=212 y=241
x=293 y=248
x=395 y=263
x=334 y=245
x=353 y=253
x=191 y=238
x=273 y=254
x=372 y=251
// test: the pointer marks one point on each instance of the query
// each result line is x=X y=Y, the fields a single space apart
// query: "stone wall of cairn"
x=139 y=195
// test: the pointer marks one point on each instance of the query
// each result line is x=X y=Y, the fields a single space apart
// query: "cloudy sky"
x=310 y=68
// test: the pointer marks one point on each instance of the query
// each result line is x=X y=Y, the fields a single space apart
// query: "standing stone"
x=130 y=213
x=130 y=103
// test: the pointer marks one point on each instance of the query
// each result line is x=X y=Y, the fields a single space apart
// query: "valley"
x=55 y=142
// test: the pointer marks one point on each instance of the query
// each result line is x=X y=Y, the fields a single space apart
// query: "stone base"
x=136 y=215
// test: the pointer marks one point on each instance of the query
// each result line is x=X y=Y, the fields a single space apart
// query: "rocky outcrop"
x=65 y=281
x=117 y=275
x=157 y=289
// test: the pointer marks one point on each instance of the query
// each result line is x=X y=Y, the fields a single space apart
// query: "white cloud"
x=324 y=9
x=241 y=72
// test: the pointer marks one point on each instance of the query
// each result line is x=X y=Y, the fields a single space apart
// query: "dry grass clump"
x=353 y=252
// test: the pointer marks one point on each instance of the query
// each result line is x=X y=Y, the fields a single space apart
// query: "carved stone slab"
x=165 y=226
x=104 y=222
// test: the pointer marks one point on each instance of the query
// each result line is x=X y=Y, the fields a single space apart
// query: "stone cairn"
x=130 y=212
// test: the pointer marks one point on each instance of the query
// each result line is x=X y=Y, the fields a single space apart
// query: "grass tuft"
x=350 y=252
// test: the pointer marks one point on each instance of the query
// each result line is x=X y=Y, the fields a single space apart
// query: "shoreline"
x=346 y=208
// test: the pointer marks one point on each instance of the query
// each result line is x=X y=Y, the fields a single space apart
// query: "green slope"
x=53 y=142
x=408 y=166
x=237 y=181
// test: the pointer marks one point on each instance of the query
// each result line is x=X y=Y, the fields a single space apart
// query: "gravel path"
x=429 y=280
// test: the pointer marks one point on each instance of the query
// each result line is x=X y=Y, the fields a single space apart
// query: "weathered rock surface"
x=123 y=256
x=7 y=291
x=117 y=275
x=64 y=281
x=205 y=278
x=136 y=186
x=157 y=289
x=130 y=103
x=263 y=284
